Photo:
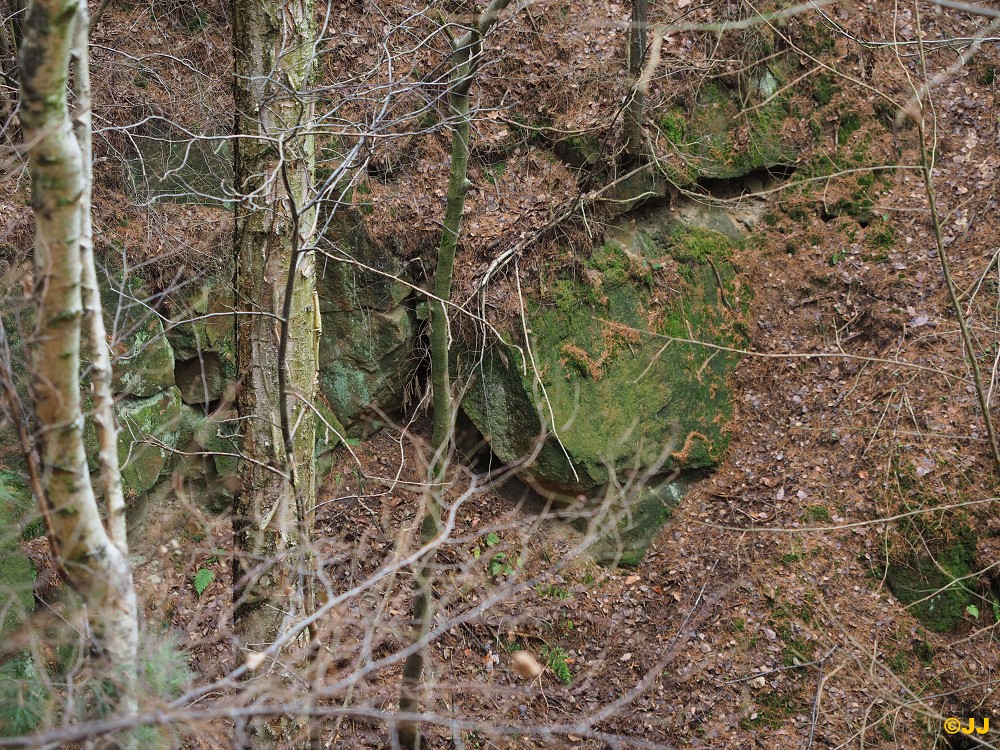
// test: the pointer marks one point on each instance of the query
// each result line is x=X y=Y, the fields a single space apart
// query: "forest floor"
x=762 y=616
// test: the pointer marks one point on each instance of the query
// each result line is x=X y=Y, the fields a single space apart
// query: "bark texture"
x=276 y=346
x=94 y=561
x=635 y=110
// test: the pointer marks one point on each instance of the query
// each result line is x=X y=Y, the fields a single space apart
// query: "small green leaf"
x=203 y=579
x=476 y=553
x=973 y=610
x=492 y=539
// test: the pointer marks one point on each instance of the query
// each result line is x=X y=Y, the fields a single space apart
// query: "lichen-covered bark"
x=275 y=348
x=95 y=565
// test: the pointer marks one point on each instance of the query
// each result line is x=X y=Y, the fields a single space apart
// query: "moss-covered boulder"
x=207 y=468
x=722 y=134
x=143 y=361
x=629 y=192
x=617 y=391
x=632 y=521
x=203 y=338
x=149 y=431
x=369 y=327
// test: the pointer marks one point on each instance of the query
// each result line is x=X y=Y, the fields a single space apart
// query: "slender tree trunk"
x=276 y=352
x=466 y=54
x=94 y=561
x=100 y=369
x=635 y=110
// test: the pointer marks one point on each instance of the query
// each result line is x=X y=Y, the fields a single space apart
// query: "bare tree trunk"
x=100 y=368
x=95 y=562
x=276 y=352
x=635 y=110
x=465 y=59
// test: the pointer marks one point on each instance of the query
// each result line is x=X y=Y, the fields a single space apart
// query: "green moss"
x=592 y=351
x=24 y=699
x=848 y=124
x=796 y=650
x=622 y=401
x=882 y=237
x=936 y=587
x=493 y=172
x=705 y=134
x=555 y=658
x=824 y=89
x=693 y=246
x=18 y=520
x=673 y=126
x=924 y=651
x=773 y=709
x=899 y=663
x=817 y=513
x=145 y=424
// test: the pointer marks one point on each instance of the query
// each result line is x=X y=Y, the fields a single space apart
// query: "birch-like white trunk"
x=95 y=562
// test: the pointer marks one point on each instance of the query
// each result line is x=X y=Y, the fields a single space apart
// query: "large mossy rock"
x=203 y=337
x=723 y=135
x=150 y=428
x=142 y=359
x=625 y=395
x=369 y=327
x=207 y=468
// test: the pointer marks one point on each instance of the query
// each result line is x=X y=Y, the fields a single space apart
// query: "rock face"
x=620 y=400
x=148 y=437
x=202 y=335
x=612 y=395
x=142 y=358
x=144 y=361
x=369 y=329
x=720 y=140
x=208 y=468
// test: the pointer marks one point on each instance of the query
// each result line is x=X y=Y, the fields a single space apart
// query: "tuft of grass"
x=555 y=658
x=551 y=591
x=817 y=513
